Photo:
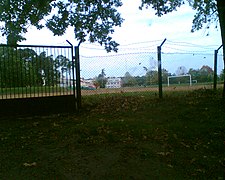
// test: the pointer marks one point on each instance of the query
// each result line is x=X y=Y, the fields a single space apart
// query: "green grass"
x=120 y=136
x=33 y=90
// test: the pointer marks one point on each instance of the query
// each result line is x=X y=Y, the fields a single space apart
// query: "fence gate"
x=37 y=80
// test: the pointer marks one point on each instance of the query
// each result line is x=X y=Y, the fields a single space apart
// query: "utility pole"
x=159 y=48
x=215 y=67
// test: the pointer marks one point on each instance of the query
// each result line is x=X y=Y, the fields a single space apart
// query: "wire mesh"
x=190 y=70
x=118 y=73
x=135 y=72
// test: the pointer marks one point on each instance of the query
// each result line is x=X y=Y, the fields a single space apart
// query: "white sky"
x=142 y=31
x=141 y=26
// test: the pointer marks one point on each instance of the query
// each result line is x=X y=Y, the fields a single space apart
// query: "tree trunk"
x=221 y=13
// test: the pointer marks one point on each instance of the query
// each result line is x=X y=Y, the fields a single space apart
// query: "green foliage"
x=13 y=71
x=141 y=80
x=24 y=67
x=206 y=13
x=222 y=75
x=162 y=6
x=128 y=80
x=205 y=74
x=91 y=20
x=18 y=15
x=206 y=10
x=101 y=80
x=152 y=77
x=165 y=75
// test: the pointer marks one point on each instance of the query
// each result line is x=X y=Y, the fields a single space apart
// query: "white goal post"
x=187 y=75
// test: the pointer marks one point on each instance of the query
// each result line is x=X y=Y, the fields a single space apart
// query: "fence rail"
x=36 y=71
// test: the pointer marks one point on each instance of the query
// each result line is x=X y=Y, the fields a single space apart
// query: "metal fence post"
x=78 y=85
x=215 y=67
x=215 y=70
x=159 y=71
x=160 y=68
x=73 y=73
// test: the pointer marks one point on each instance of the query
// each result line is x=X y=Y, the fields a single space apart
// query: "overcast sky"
x=142 y=31
x=140 y=26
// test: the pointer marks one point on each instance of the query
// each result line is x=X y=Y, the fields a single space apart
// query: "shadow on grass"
x=120 y=136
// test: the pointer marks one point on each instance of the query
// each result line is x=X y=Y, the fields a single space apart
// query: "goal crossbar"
x=187 y=75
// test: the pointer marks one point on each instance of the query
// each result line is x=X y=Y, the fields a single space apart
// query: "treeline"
x=203 y=75
x=24 y=68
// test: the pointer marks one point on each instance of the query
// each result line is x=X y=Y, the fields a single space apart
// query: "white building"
x=114 y=82
x=87 y=83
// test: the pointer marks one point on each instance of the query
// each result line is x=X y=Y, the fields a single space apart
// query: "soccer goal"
x=180 y=76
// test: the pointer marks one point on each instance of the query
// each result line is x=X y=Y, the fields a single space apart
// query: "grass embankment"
x=120 y=136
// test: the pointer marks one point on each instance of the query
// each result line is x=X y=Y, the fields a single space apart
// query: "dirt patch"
x=144 y=89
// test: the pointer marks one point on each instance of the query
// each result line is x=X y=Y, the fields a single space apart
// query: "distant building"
x=87 y=84
x=114 y=82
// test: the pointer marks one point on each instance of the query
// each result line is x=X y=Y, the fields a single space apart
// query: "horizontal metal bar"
x=187 y=75
x=37 y=46
x=219 y=47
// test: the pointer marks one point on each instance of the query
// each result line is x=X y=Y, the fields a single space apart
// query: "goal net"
x=178 y=79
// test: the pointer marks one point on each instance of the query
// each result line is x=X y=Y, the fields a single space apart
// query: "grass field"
x=29 y=92
x=120 y=136
x=44 y=91
x=172 y=88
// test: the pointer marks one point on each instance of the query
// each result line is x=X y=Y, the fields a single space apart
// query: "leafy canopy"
x=206 y=10
x=92 y=20
x=17 y=15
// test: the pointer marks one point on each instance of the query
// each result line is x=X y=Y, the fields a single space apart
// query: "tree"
x=91 y=20
x=165 y=75
x=101 y=80
x=24 y=67
x=204 y=74
x=27 y=70
x=194 y=73
x=207 y=12
x=48 y=69
x=16 y=67
x=64 y=66
x=221 y=77
x=151 y=77
x=17 y=15
x=141 y=80
x=128 y=80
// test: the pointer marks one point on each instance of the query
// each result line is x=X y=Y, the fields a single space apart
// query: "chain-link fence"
x=135 y=72
x=190 y=70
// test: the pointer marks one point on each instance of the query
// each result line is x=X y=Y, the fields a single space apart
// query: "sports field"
x=146 y=89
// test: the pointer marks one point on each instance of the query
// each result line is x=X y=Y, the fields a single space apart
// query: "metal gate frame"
x=41 y=103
